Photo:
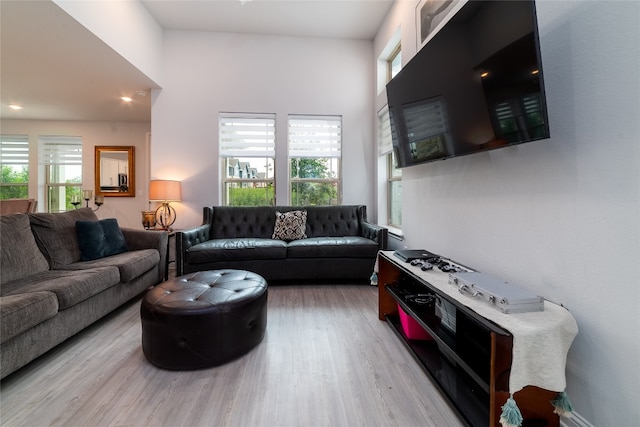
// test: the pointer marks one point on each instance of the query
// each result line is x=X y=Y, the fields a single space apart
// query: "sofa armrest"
x=376 y=233
x=148 y=239
x=187 y=238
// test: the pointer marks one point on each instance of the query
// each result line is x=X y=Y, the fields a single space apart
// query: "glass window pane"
x=249 y=193
x=396 y=64
x=63 y=174
x=14 y=160
x=394 y=172
x=314 y=168
x=395 y=203
x=59 y=197
x=314 y=193
x=14 y=192
x=249 y=168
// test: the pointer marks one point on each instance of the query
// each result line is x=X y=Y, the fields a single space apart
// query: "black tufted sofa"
x=340 y=244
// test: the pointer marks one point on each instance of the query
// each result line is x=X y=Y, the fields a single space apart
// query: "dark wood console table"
x=469 y=357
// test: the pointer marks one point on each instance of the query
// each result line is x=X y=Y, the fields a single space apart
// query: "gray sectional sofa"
x=48 y=292
x=330 y=243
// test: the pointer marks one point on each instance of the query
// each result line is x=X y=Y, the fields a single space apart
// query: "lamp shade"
x=165 y=191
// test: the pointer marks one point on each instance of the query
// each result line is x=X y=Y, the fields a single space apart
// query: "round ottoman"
x=203 y=319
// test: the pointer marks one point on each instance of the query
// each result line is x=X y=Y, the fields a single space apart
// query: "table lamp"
x=165 y=191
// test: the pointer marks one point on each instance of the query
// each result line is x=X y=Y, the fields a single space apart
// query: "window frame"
x=14 y=152
x=396 y=53
x=67 y=152
x=393 y=175
x=227 y=154
x=332 y=150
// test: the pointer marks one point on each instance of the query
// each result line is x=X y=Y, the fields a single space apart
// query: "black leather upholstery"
x=203 y=319
x=340 y=243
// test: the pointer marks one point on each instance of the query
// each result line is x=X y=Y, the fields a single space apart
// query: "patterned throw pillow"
x=290 y=225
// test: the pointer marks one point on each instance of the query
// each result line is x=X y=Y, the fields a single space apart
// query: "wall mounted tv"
x=476 y=85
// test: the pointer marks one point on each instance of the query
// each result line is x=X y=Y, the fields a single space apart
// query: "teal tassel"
x=374 y=278
x=562 y=405
x=511 y=416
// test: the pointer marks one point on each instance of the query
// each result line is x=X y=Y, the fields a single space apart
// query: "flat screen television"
x=476 y=85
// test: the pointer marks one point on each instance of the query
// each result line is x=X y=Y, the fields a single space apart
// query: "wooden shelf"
x=469 y=361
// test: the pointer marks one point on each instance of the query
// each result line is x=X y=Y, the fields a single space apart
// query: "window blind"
x=315 y=136
x=14 y=150
x=425 y=120
x=244 y=135
x=385 y=144
x=60 y=150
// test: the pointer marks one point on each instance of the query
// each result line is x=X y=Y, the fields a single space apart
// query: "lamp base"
x=165 y=216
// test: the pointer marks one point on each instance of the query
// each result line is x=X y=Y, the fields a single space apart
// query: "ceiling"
x=58 y=70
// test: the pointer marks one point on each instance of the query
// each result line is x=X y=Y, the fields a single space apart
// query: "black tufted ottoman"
x=203 y=319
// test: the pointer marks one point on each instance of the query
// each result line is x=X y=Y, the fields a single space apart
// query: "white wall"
x=560 y=216
x=126 y=26
x=206 y=73
x=125 y=209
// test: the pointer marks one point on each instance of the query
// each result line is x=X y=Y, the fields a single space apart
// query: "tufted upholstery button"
x=203 y=319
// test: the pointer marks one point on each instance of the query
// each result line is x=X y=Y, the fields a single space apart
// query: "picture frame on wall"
x=431 y=15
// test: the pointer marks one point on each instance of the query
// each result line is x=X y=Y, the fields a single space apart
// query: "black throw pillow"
x=98 y=239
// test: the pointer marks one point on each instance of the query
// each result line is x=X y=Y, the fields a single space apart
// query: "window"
x=61 y=159
x=247 y=152
x=14 y=160
x=394 y=175
x=315 y=145
x=394 y=63
x=394 y=190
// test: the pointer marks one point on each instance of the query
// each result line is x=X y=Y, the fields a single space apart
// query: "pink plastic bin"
x=411 y=327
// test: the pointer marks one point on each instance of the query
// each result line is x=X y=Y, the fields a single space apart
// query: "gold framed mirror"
x=115 y=171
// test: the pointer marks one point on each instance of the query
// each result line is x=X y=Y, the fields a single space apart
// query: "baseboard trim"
x=574 y=421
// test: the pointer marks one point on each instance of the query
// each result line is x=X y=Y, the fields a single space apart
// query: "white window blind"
x=243 y=135
x=425 y=120
x=14 y=150
x=61 y=150
x=315 y=136
x=385 y=144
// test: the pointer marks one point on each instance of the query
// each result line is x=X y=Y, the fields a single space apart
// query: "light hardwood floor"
x=326 y=360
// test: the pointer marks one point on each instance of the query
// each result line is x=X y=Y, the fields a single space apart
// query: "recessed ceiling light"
x=15 y=107
x=126 y=99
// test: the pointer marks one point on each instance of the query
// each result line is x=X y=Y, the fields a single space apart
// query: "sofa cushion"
x=69 y=286
x=334 y=221
x=131 y=264
x=98 y=239
x=236 y=249
x=56 y=234
x=229 y=222
x=19 y=253
x=290 y=225
x=23 y=311
x=333 y=247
